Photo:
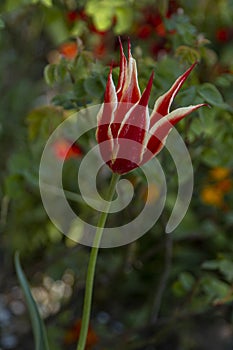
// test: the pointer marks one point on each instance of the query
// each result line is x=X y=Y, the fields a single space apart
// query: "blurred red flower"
x=72 y=335
x=64 y=149
x=69 y=50
x=72 y=16
x=223 y=34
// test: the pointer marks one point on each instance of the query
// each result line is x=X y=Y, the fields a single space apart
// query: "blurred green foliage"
x=144 y=289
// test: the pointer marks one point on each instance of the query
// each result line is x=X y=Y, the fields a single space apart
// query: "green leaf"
x=61 y=70
x=211 y=94
x=124 y=19
x=94 y=86
x=224 y=80
x=187 y=96
x=47 y=3
x=215 y=288
x=79 y=90
x=66 y=100
x=102 y=14
x=55 y=25
x=178 y=289
x=226 y=268
x=50 y=73
x=12 y=5
x=211 y=157
x=163 y=6
x=187 y=54
x=210 y=265
x=2 y=24
x=14 y=186
x=187 y=280
x=184 y=284
x=43 y=120
x=40 y=336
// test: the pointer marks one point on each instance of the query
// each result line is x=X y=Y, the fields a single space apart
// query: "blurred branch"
x=4 y=211
x=154 y=334
x=163 y=280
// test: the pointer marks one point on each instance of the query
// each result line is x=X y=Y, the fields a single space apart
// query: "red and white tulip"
x=127 y=134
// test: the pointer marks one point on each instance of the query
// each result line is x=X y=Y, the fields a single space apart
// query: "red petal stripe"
x=146 y=93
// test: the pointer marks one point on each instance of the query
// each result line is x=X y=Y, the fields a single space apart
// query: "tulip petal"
x=179 y=113
x=146 y=93
x=130 y=94
x=130 y=90
x=163 y=103
x=123 y=72
x=129 y=143
x=122 y=166
x=159 y=132
x=105 y=117
x=110 y=91
x=134 y=125
x=106 y=114
x=136 y=118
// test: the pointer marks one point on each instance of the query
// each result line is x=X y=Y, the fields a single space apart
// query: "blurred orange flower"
x=221 y=184
x=219 y=173
x=64 y=149
x=72 y=335
x=151 y=194
x=225 y=185
x=211 y=195
x=69 y=50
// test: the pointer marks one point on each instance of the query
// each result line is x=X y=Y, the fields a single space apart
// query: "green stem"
x=92 y=264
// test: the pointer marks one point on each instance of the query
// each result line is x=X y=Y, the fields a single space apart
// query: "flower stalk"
x=92 y=265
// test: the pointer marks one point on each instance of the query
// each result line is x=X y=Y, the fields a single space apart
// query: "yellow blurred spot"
x=212 y=195
x=152 y=194
x=219 y=173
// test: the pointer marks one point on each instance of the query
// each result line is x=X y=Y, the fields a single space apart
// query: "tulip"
x=127 y=135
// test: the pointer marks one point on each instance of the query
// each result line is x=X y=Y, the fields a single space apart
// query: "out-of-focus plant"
x=77 y=41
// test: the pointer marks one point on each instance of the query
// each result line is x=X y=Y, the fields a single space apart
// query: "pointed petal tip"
x=110 y=69
x=182 y=112
x=146 y=93
x=152 y=75
x=195 y=63
x=163 y=103
x=202 y=105
x=121 y=46
x=197 y=106
x=129 y=48
x=189 y=70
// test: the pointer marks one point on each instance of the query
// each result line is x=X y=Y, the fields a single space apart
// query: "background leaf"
x=41 y=342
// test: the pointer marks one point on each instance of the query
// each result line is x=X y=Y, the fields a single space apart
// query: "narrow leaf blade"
x=40 y=336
